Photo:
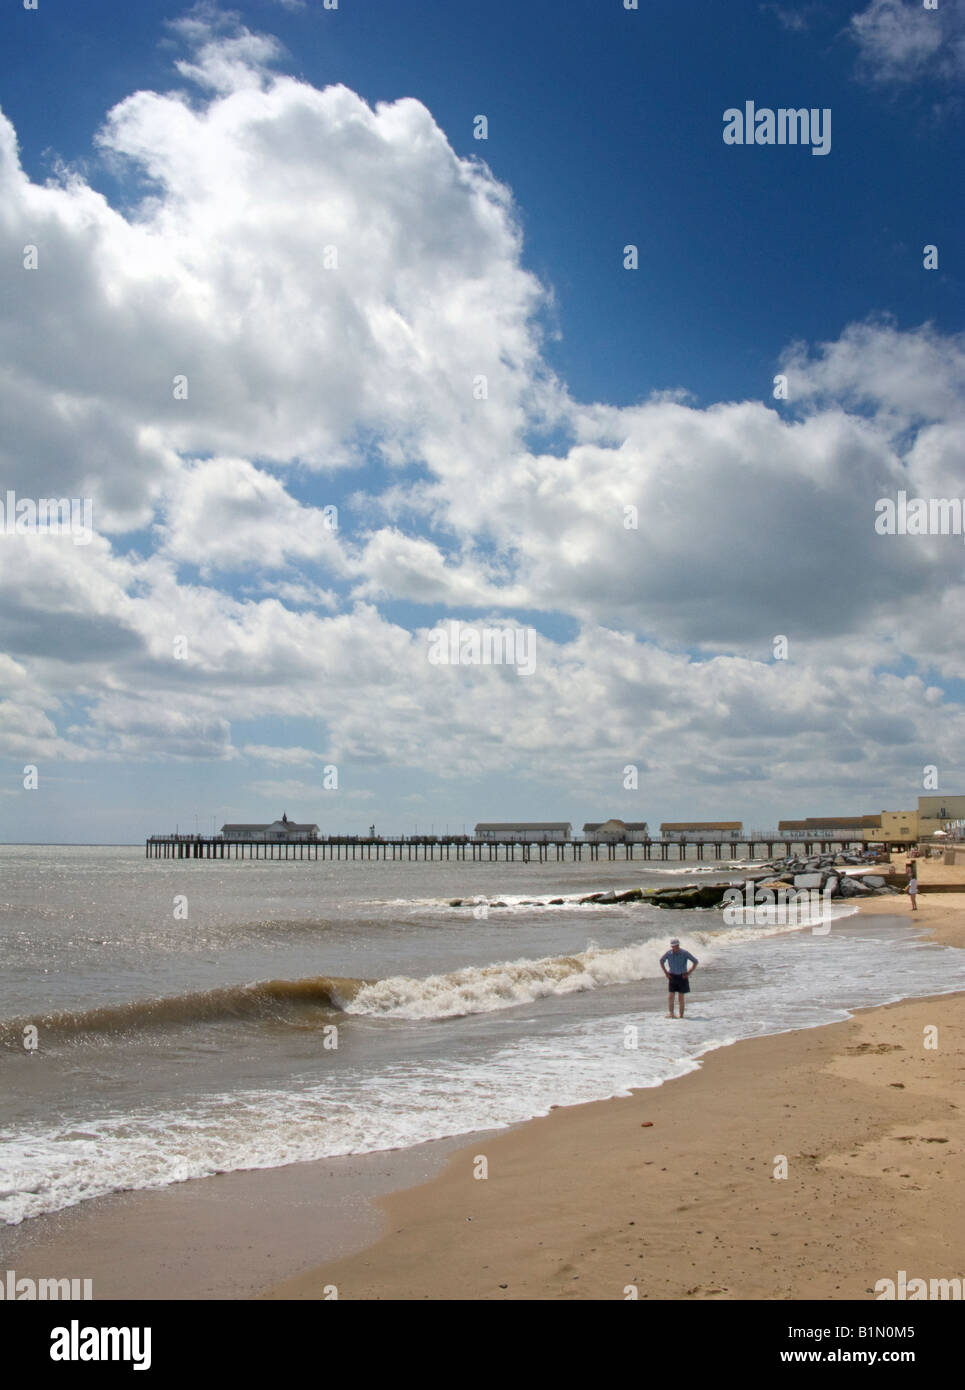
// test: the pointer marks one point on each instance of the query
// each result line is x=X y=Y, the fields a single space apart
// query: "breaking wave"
x=267 y=999
x=485 y=988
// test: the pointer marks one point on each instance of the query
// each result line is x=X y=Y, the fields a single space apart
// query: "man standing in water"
x=673 y=963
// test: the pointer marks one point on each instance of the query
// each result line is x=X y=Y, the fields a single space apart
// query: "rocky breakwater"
x=692 y=895
x=687 y=895
x=682 y=895
x=831 y=876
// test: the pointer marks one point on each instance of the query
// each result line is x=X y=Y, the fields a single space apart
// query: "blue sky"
x=608 y=388
x=606 y=124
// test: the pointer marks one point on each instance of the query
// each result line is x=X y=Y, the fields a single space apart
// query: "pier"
x=437 y=848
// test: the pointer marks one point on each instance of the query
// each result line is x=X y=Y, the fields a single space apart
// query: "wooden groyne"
x=431 y=849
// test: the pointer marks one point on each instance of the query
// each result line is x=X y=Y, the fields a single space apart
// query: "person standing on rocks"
x=673 y=963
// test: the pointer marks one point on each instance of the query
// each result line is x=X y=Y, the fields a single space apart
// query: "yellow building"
x=938 y=813
x=896 y=827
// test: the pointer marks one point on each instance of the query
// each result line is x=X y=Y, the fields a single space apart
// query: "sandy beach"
x=673 y=1193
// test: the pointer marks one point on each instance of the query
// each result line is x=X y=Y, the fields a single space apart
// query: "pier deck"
x=480 y=851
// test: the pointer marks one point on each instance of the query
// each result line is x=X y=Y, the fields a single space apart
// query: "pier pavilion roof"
x=523 y=825
x=702 y=825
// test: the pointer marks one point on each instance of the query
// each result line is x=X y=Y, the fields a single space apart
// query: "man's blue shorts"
x=678 y=984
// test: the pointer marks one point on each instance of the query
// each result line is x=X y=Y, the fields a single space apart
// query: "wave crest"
x=267 y=999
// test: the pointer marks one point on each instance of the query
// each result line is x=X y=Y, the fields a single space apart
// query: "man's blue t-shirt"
x=676 y=961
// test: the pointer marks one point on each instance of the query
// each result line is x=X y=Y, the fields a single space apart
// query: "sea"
x=168 y=1020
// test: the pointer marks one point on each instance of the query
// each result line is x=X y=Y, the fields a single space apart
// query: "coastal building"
x=616 y=832
x=840 y=828
x=939 y=813
x=701 y=831
x=535 y=832
x=897 y=827
x=277 y=831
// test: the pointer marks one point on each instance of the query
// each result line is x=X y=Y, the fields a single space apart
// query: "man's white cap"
x=675 y=941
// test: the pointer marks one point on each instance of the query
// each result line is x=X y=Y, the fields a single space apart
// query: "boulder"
x=455 y=902
x=712 y=894
x=688 y=897
x=673 y=898
x=874 y=880
x=808 y=880
x=632 y=895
